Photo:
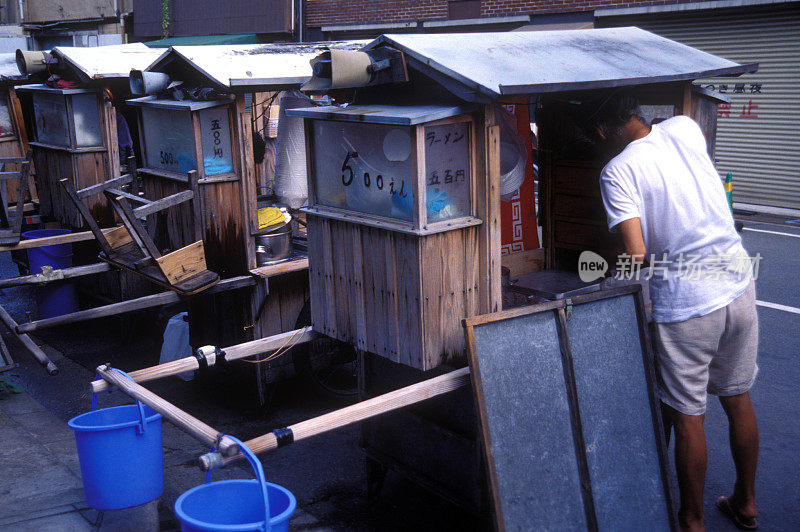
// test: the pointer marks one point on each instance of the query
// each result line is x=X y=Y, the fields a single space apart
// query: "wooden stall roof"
x=251 y=67
x=538 y=62
x=9 y=70
x=408 y=115
x=106 y=62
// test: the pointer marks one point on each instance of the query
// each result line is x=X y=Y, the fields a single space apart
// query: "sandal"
x=743 y=522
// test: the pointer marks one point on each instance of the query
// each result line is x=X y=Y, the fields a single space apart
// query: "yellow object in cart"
x=272 y=216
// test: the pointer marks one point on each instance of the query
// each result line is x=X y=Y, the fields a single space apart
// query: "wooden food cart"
x=213 y=136
x=75 y=125
x=404 y=206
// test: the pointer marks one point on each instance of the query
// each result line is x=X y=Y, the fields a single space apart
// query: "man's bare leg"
x=691 y=460
x=743 y=431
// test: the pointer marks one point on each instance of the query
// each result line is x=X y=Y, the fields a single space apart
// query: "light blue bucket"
x=236 y=505
x=119 y=449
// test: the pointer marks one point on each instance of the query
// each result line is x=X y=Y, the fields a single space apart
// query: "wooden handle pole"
x=346 y=416
x=29 y=344
x=256 y=347
x=56 y=275
x=186 y=422
x=140 y=303
x=53 y=240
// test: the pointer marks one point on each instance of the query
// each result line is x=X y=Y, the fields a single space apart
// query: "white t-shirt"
x=667 y=180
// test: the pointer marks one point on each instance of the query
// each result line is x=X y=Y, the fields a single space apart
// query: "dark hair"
x=614 y=111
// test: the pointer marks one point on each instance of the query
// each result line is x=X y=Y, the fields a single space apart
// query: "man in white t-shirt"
x=662 y=193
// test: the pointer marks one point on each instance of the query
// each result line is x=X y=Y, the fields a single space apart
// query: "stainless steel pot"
x=275 y=246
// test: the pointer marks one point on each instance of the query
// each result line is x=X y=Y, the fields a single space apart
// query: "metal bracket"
x=568 y=309
x=47 y=274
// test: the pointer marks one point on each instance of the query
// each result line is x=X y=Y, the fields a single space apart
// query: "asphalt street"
x=774 y=395
x=326 y=473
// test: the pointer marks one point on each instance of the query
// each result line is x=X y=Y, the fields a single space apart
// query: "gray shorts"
x=715 y=353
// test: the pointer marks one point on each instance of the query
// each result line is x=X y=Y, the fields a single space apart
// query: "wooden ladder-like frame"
x=131 y=247
x=10 y=230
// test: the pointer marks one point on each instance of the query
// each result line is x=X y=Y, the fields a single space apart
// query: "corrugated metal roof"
x=103 y=62
x=252 y=66
x=498 y=64
x=8 y=68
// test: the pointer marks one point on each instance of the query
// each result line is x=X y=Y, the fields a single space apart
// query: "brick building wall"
x=327 y=12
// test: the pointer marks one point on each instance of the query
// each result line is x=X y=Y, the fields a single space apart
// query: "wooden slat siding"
x=487 y=203
x=472 y=277
x=384 y=335
x=283 y=298
x=83 y=170
x=389 y=294
x=409 y=281
x=108 y=117
x=493 y=219
x=343 y=245
x=453 y=334
x=92 y=169
x=386 y=330
x=263 y=317
x=434 y=263
x=366 y=285
x=172 y=228
x=224 y=225
x=376 y=289
x=330 y=293
x=315 y=272
x=243 y=138
x=224 y=228
x=368 y=309
x=322 y=304
x=358 y=288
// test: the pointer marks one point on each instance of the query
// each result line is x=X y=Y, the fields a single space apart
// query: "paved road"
x=775 y=394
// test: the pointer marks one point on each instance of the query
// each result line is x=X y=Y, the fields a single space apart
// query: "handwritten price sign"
x=365 y=168
x=447 y=171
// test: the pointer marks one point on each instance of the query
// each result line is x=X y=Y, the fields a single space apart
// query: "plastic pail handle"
x=143 y=422
x=255 y=463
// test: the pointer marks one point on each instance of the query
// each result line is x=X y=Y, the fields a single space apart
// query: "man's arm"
x=633 y=239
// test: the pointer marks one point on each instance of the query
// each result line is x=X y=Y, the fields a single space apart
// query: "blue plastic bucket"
x=53 y=299
x=119 y=449
x=236 y=505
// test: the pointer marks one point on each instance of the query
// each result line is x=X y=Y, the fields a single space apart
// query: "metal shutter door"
x=758 y=137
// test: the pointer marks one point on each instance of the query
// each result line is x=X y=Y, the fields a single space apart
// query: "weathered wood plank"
x=183 y=263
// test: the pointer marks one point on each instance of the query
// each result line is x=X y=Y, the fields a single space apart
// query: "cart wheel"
x=331 y=365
